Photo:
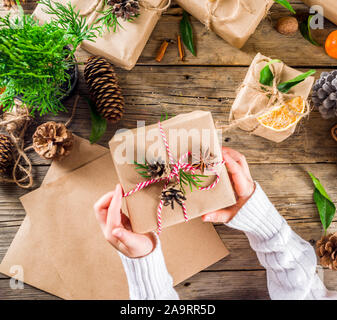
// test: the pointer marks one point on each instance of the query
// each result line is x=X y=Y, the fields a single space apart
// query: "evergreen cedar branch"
x=34 y=59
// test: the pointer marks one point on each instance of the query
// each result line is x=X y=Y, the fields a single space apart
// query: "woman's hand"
x=242 y=182
x=117 y=229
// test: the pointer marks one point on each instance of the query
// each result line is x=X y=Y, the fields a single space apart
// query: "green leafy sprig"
x=325 y=206
x=267 y=78
x=186 y=32
x=286 y=4
x=35 y=59
x=142 y=169
x=190 y=179
x=109 y=20
x=66 y=18
x=98 y=123
x=305 y=29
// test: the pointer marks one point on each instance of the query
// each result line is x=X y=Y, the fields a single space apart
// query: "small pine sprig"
x=190 y=179
x=109 y=19
x=142 y=169
x=70 y=20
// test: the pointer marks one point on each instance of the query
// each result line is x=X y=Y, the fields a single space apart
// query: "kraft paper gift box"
x=250 y=101
x=65 y=255
x=184 y=133
x=329 y=6
x=124 y=46
x=233 y=20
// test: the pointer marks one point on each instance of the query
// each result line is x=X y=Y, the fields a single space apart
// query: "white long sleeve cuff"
x=289 y=260
x=148 y=277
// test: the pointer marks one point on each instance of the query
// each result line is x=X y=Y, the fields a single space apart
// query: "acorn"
x=287 y=25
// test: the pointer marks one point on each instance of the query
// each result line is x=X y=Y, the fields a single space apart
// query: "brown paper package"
x=237 y=31
x=248 y=100
x=124 y=46
x=329 y=6
x=142 y=205
x=65 y=255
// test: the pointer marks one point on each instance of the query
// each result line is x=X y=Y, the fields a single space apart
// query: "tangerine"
x=331 y=44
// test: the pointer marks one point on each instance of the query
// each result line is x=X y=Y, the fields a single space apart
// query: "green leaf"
x=186 y=32
x=286 y=4
x=266 y=76
x=98 y=123
x=325 y=206
x=287 y=85
x=319 y=186
x=305 y=30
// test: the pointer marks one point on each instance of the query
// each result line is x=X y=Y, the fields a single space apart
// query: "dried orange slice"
x=284 y=117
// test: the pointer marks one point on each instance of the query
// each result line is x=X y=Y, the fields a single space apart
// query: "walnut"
x=287 y=25
x=53 y=140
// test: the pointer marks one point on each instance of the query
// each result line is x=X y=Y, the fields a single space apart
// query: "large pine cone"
x=326 y=249
x=324 y=95
x=6 y=153
x=125 y=9
x=53 y=140
x=104 y=89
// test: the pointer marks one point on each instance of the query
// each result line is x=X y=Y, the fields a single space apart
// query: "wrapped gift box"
x=124 y=46
x=233 y=20
x=250 y=100
x=184 y=133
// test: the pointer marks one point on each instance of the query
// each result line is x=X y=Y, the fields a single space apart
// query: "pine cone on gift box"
x=157 y=169
x=53 y=140
x=172 y=194
x=104 y=88
x=6 y=153
x=326 y=249
x=324 y=94
x=125 y=9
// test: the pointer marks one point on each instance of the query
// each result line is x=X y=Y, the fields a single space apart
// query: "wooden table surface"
x=209 y=82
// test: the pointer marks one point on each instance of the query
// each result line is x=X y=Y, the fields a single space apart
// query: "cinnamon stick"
x=180 y=49
x=161 y=51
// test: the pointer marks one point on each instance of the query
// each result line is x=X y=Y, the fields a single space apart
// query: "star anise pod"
x=203 y=161
x=172 y=194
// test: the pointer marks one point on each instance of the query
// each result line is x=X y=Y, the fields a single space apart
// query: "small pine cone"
x=52 y=140
x=125 y=9
x=324 y=94
x=6 y=153
x=104 y=88
x=326 y=249
x=157 y=169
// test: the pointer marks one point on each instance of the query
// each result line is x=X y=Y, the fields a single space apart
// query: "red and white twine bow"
x=175 y=170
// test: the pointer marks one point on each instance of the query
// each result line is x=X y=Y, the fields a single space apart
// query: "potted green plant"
x=37 y=62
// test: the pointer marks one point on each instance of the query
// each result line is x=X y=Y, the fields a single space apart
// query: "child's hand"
x=117 y=229
x=242 y=182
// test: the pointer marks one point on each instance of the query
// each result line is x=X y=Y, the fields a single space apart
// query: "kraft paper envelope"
x=63 y=267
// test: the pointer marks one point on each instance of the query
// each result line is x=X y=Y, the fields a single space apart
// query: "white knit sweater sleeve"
x=290 y=261
x=148 y=277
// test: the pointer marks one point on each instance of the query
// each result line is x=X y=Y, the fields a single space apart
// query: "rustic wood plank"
x=238 y=285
